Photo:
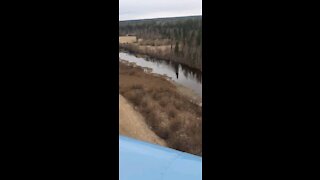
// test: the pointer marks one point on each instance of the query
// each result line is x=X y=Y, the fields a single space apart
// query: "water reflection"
x=176 y=67
x=188 y=77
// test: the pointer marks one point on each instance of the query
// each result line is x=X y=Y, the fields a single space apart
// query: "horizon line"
x=160 y=18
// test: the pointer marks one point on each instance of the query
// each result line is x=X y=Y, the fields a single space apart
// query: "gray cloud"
x=145 y=9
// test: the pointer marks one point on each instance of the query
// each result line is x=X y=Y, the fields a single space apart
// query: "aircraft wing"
x=140 y=160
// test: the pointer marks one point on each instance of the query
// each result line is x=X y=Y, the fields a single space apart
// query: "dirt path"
x=132 y=124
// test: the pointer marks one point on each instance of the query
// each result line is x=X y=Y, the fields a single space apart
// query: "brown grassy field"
x=127 y=39
x=145 y=45
x=168 y=113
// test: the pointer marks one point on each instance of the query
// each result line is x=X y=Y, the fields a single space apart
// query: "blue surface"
x=144 y=161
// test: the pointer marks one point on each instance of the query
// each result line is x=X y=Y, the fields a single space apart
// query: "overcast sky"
x=146 y=9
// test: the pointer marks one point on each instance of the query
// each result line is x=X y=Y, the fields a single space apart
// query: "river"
x=181 y=74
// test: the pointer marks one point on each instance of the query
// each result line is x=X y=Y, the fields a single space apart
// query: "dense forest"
x=180 y=38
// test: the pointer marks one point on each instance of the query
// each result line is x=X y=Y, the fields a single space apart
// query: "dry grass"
x=170 y=115
x=157 y=42
x=127 y=39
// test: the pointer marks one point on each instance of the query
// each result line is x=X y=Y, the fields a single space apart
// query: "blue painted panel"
x=140 y=160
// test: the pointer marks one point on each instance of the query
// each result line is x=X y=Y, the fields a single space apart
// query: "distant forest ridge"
x=162 y=19
x=180 y=37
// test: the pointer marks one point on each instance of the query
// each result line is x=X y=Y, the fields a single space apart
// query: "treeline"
x=183 y=35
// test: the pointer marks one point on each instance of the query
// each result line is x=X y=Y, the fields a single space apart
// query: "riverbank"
x=180 y=74
x=171 y=111
x=160 y=52
x=192 y=95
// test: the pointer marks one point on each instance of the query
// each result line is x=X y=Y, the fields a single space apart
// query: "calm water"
x=188 y=77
